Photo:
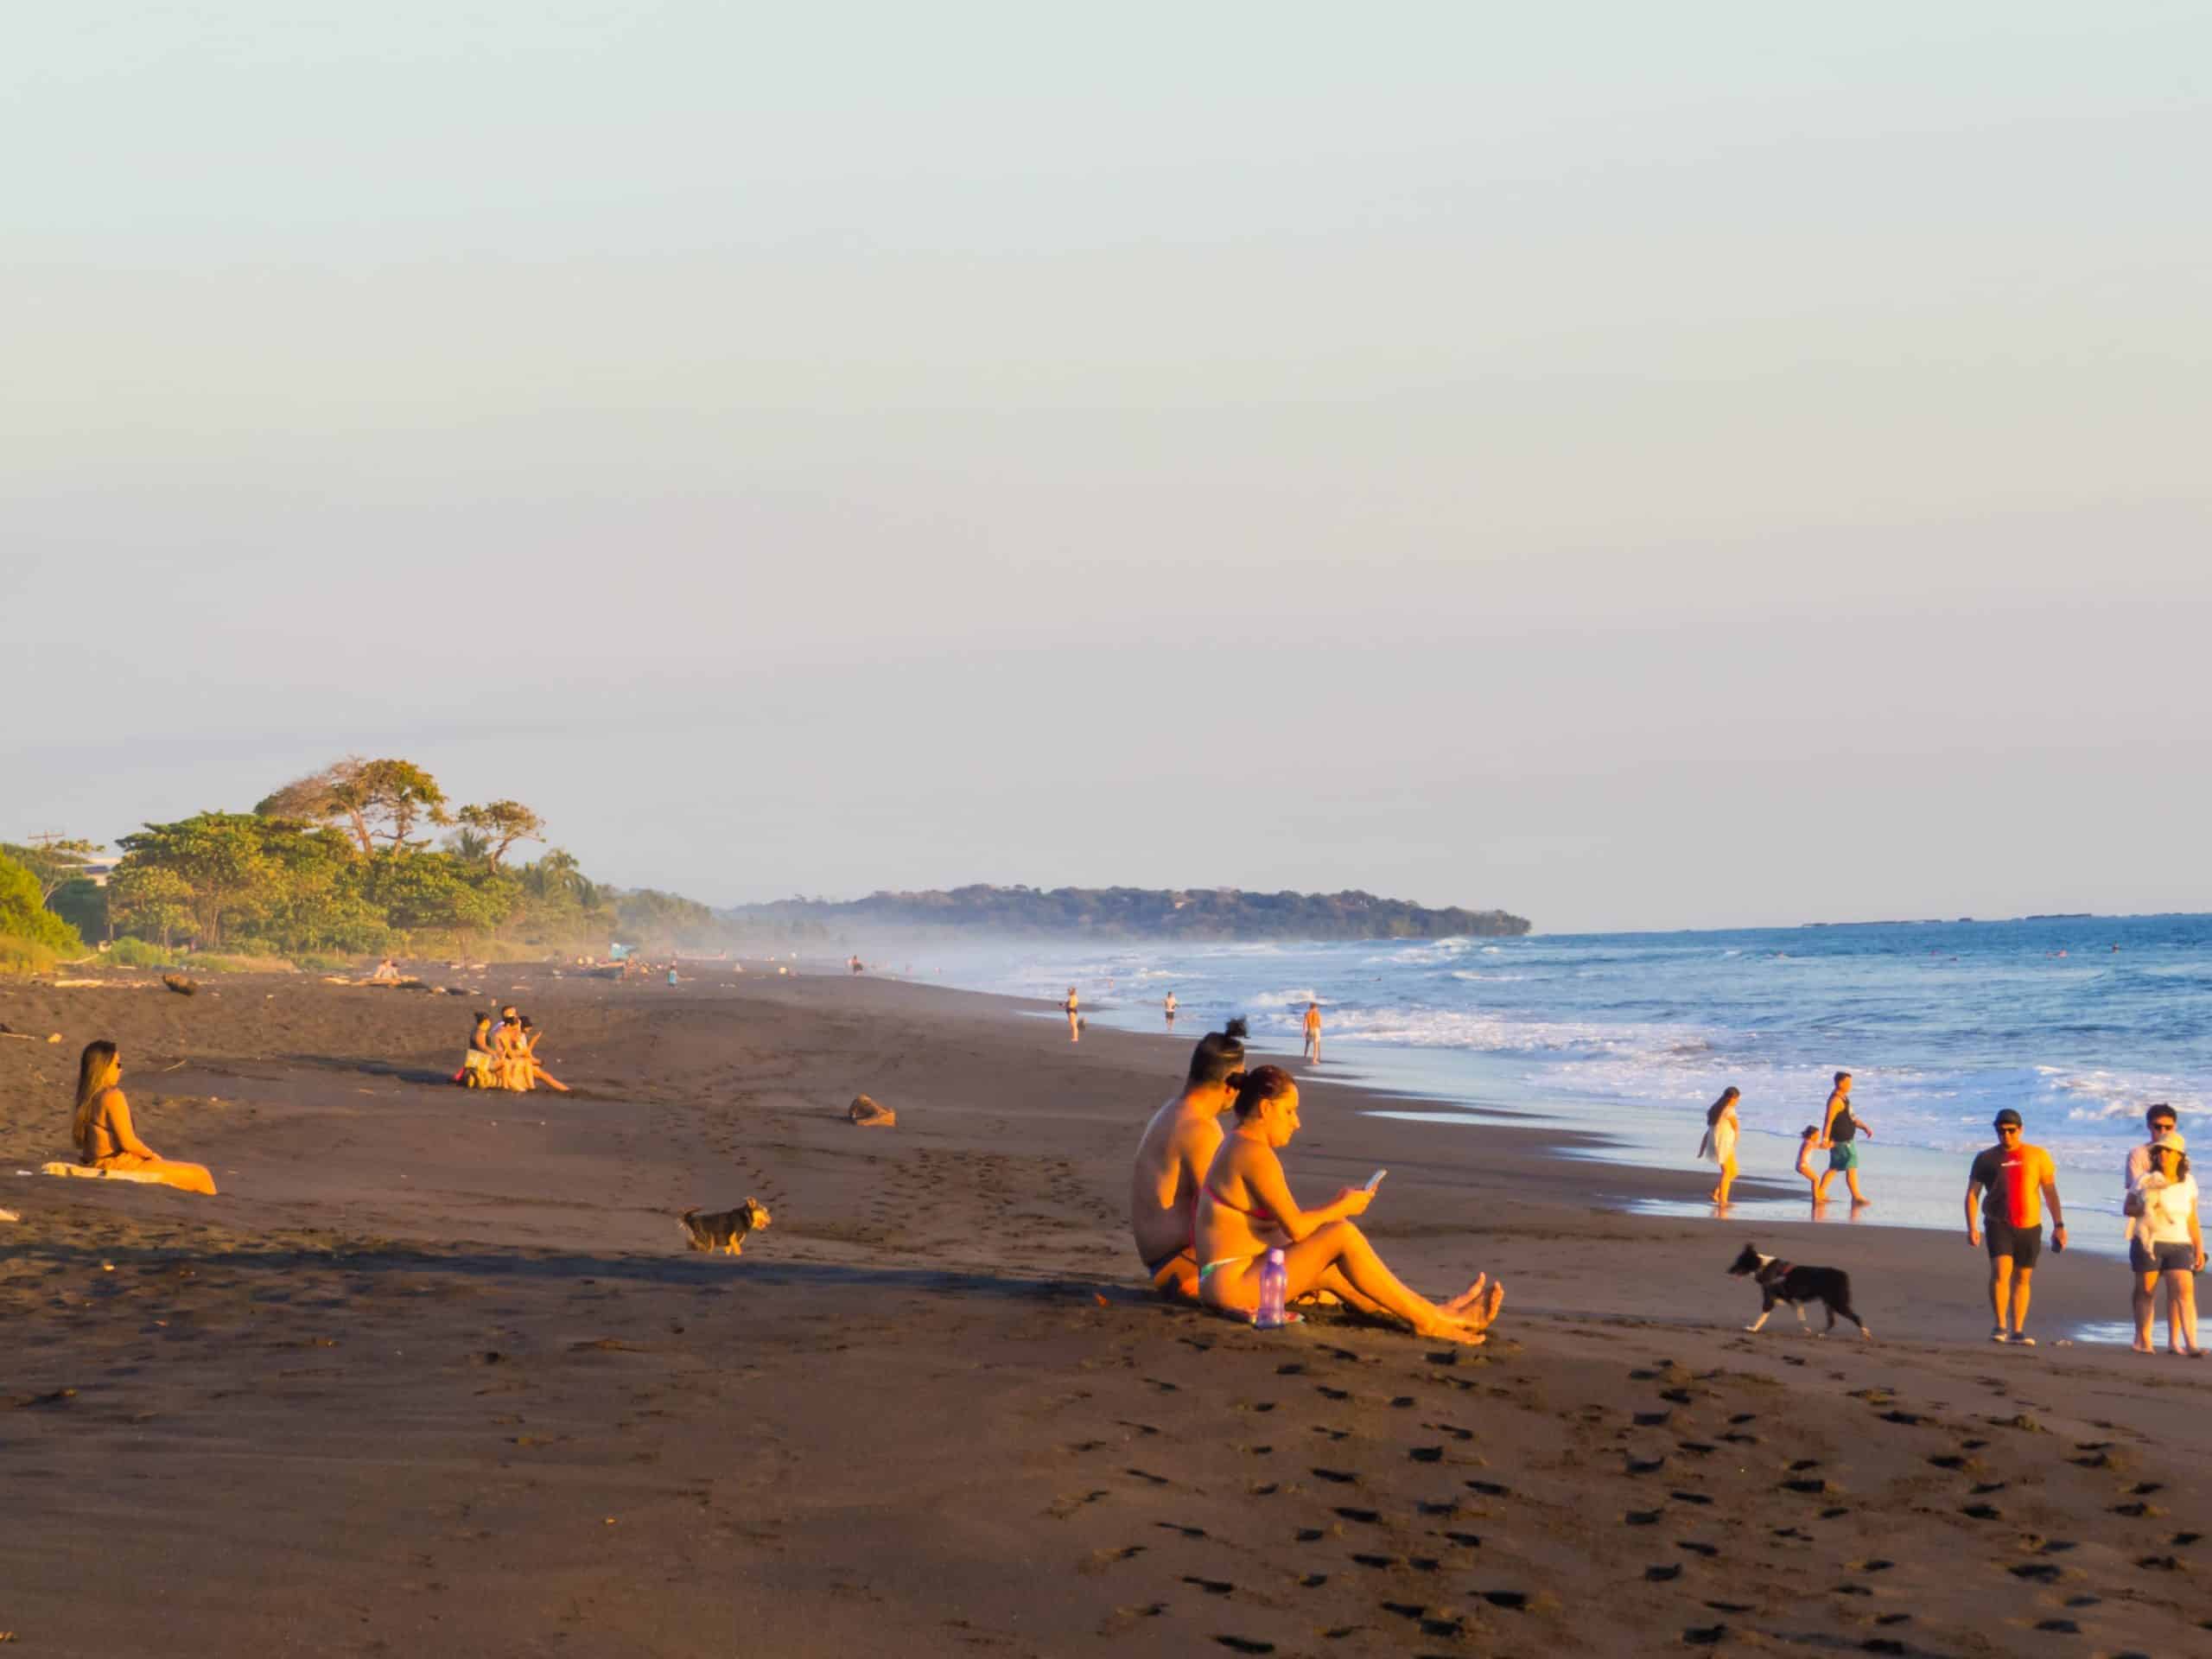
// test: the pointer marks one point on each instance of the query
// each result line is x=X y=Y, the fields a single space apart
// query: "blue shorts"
x=2178 y=1257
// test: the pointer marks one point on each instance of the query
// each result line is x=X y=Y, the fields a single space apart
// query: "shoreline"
x=436 y=1372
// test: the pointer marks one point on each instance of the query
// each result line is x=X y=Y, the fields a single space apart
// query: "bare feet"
x=1467 y=1297
x=1478 y=1305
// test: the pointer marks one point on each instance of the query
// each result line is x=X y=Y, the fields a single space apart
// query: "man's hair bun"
x=1239 y=1028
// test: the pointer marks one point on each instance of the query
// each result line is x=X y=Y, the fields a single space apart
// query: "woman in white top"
x=1718 y=1146
x=2165 y=1238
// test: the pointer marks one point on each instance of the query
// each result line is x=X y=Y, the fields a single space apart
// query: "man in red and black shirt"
x=2013 y=1178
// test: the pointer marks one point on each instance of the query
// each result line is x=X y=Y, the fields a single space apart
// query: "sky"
x=1635 y=466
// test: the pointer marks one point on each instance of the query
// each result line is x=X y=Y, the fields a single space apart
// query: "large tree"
x=501 y=824
x=220 y=859
x=149 y=900
x=375 y=800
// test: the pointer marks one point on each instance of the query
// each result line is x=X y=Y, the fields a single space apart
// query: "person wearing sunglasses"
x=2163 y=1125
x=2013 y=1179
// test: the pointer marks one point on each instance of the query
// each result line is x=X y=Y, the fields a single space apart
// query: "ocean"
x=2079 y=1022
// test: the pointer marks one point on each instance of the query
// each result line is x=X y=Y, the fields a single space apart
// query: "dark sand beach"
x=436 y=1374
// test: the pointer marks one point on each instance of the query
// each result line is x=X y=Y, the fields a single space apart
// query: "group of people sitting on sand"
x=1207 y=1206
x=503 y=1054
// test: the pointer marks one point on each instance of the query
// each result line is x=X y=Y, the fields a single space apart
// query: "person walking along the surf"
x=2013 y=1180
x=2166 y=1241
x=1840 y=1133
x=1074 y=1019
x=1171 y=1010
x=1720 y=1144
x=1314 y=1034
x=2163 y=1125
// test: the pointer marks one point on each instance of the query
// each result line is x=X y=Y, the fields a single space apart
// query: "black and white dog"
x=1780 y=1282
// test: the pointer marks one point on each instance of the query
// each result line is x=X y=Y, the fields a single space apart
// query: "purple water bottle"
x=1275 y=1280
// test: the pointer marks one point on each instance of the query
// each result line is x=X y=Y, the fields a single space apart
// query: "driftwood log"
x=180 y=984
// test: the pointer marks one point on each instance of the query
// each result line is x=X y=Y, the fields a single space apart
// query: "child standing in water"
x=1806 y=1142
x=1720 y=1144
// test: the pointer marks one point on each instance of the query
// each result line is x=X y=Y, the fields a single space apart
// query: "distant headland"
x=1140 y=912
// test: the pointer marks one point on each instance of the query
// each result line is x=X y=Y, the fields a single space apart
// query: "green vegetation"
x=1139 y=913
x=333 y=866
x=32 y=938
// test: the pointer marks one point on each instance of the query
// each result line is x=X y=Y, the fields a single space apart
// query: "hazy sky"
x=1635 y=465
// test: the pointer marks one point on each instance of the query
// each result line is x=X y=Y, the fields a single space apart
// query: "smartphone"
x=1375 y=1179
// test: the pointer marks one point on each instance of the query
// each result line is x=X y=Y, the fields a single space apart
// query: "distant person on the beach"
x=1075 y=1018
x=102 y=1130
x=2166 y=1241
x=1314 y=1034
x=1171 y=1010
x=1245 y=1208
x=2163 y=1125
x=1840 y=1133
x=1720 y=1144
x=1808 y=1143
x=1172 y=1156
x=387 y=972
x=479 y=1066
x=536 y=1072
x=2013 y=1180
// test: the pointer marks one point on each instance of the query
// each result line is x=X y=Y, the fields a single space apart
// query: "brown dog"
x=725 y=1229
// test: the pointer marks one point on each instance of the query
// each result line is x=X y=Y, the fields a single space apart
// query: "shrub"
x=139 y=953
x=23 y=914
x=21 y=955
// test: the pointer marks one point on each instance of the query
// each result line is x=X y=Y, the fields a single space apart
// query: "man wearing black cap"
x=2017 y=1179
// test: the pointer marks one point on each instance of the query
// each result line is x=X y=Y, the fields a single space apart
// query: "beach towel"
x=92 y=1171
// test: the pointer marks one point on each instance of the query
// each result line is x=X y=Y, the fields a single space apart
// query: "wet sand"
x=435 y=1373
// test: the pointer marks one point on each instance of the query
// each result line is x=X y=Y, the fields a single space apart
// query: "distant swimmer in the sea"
x=1720 y=1144
x=1172 y=1156
x=1314 y=1034
x=1075 y=1017
x=1245 y=1208
x=1171 y=1010
x=102 y=1129
x=1840 y=1133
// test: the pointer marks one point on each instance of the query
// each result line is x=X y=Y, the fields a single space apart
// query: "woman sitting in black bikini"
x=1246 y=1209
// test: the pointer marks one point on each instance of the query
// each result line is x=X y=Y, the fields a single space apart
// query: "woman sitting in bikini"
x=1246 y=1208
x=478 y=1067
x=533 y=1069
x=102 y=1128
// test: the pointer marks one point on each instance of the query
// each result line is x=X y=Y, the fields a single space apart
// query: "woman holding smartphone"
x=1245 y=1208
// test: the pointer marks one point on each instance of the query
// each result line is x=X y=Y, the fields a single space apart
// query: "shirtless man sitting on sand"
x=1172 y=1160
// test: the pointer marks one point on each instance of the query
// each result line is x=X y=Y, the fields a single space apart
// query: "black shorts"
x=2178 y=1257
x=2023 y=1244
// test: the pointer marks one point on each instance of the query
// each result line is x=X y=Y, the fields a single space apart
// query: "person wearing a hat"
x=2160 y=1121
x=2166 y=1241
x=2013 y=1179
